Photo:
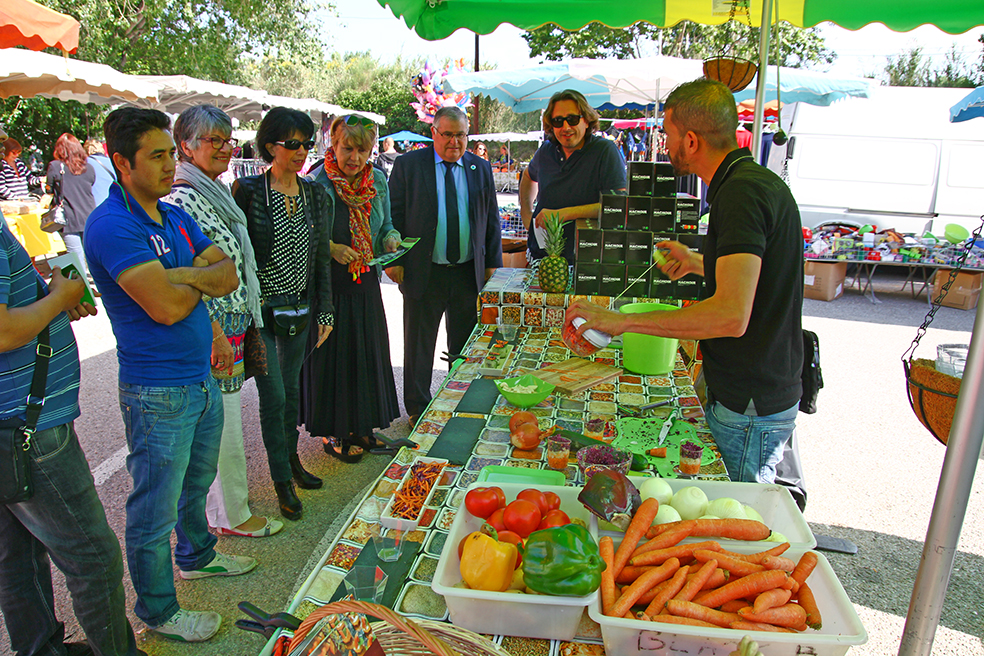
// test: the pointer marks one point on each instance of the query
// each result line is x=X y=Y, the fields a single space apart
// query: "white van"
x=893 y=160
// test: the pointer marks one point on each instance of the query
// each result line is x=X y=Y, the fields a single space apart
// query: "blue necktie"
x=451 y=210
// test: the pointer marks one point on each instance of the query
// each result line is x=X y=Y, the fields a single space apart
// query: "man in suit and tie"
x=445 y=196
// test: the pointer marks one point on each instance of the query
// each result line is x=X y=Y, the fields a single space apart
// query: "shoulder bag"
x=54 y=219
x=16 y=484
x=812 y=376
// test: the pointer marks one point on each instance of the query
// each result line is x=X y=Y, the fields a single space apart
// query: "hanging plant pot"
x=932 y=395
x=736 y=73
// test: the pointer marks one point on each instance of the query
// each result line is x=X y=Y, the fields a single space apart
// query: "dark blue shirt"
x=594 y=169
x=119 y=236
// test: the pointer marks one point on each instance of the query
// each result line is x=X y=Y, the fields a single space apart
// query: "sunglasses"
x=294 y=144
x=353 y=119
x=572 y=120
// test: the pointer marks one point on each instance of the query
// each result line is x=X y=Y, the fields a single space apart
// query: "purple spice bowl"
x=595 y=458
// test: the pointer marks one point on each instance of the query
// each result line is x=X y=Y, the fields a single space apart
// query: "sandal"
x=336 y=448
x=367 y=443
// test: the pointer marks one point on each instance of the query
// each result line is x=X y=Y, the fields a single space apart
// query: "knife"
x=667 y=425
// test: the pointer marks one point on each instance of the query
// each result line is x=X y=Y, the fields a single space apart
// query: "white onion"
x=776 y=536
x=656 y=488
x=708 y=517
x=751 y=513
x=666 y=514
x=690 y=502
x=726 y=508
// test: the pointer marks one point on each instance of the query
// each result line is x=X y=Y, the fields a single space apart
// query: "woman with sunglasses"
x=202 y=136
x=348 y=387
x=288 y=227
x=481 y=151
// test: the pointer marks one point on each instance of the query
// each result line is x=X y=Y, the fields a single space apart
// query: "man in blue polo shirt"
x=570 y=171
x=64 y=519
x=152 y=264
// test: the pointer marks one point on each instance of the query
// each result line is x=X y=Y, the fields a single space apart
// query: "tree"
x=910 y=68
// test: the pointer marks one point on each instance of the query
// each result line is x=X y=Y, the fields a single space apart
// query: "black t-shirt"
x=592 y=170
x=386 y=162
x=753 y=211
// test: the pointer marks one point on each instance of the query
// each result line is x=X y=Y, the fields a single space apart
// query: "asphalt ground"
x=872 y=472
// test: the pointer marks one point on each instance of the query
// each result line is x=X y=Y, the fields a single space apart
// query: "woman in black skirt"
x=347 y=386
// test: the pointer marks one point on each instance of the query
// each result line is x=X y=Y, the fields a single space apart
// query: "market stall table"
x=24 y=220
x=918 y=273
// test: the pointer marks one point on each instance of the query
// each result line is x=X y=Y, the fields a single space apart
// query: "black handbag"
x=16 y=484
x=289 y=313
x=53 y=219
x=812 y=376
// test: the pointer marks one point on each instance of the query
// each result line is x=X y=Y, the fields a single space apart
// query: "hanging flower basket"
x=933 y=396
x=736 y=73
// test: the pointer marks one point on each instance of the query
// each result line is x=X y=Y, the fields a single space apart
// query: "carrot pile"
x=702 y=584
x=409 y=499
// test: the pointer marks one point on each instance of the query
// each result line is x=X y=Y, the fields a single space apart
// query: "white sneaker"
x=221 y=565
x=190 y=625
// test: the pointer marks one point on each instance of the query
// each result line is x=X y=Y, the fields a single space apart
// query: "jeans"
x=173 y=434
x=280 y=394
x=64 y=520
x=751 y=445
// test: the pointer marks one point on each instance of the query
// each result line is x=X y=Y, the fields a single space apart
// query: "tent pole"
x=760 y=80
x=950 y=508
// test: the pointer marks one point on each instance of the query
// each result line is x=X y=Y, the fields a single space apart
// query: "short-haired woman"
x=348 y=387
x=290 y=231
x=15 y=178
x=202 y=135
x=75 y=176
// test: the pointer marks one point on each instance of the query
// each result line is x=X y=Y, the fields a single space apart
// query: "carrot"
x=778 y=562
x=733 y=529
x=630 y=573
x=667 y=539
x=805 y=566
x=695 y=583
x=646 y=581
x=673 y=586
x=607 y=549
x=678 y=619
x=734 y=565
x=750 y=585
x=745 y=625
x=789 y=615
x=689 y=609
x=657 y=556
x=809 y=604
x=734 y=605
x=641 y=521
x=658 y=452
x=774 y=551
x=660 y=529
x=718 y=578
x=771 y=599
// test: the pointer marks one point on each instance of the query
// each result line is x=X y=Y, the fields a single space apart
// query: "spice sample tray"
x=389 y=517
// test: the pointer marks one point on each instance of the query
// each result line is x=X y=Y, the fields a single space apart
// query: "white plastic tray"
x=387 y=518
x=505 y=613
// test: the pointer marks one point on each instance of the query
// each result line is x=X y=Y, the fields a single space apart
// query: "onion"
x=666 y=514
x=751 y=513
x=656 y=488
x=690 y=502
x=726 y=508
x=776 y=536
x=708 y=517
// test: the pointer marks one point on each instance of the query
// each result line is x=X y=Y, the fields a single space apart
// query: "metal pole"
x=476 y=124
x=950 y=508
x=760 y=80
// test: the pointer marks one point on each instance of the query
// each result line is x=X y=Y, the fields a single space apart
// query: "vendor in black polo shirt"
x=570 y=171
x=750 y=323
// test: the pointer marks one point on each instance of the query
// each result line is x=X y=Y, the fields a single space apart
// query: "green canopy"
x=437 y=19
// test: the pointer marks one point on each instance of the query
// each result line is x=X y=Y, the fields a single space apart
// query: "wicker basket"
x=933 y=396
x=736 y=73
x=399 y=635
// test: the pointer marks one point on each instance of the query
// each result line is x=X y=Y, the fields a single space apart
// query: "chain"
x=938 y=303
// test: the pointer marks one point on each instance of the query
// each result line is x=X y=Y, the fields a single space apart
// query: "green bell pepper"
x=562 y=561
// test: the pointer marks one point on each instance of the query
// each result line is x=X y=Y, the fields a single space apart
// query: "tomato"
x=509 y=536
x=483 y=501
x=535 y=496
x=521 y=517
x=495 y=519
x=554 y=518
x=500 y=495
x=553 y=501
x=520 y=418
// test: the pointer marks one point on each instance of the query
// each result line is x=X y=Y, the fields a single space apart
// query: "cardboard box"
x=823 y=281
x=963 y=292
x=612 y=212
x=514 y=260
x=639 y=248
x=661 y=287
x=664 y=214
x=589 y=242
x=587 y=278
x=613 y=248
x=693 y=242
x=637 y=215
x=612 y=280
x=689 y=287
x=664 y=179
x=641 y=178
x=687 y=215
x=639 y=288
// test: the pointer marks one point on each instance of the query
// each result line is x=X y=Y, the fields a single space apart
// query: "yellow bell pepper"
x=487 y=564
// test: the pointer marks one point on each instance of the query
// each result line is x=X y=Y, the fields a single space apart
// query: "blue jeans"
x=173 y=434
x=64 y=520
x=280 y=395
x=751 y=446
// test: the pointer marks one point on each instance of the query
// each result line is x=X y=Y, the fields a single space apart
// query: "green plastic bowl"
x=543 y=390
x=955 y=233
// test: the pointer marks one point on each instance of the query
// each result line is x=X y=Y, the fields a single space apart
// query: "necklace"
x=290 y=203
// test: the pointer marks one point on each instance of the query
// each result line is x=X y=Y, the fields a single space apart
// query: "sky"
x=365 y=25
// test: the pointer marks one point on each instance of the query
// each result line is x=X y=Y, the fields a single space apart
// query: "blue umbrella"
x=970 y=107
x=811 y=87
x=405 y=135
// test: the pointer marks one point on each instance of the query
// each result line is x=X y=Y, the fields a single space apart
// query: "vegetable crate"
x=507 y=613
x=842 y=627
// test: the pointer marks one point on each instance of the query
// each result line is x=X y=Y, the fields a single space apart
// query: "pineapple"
x=554 y=273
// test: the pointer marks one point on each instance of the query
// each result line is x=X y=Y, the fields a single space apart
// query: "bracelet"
x=217 y=337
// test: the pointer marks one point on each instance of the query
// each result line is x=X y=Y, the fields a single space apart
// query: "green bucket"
x=648 y=354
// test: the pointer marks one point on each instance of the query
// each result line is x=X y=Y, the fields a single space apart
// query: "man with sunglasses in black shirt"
x=570 y=171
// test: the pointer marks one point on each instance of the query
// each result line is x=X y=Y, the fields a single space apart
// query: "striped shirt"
x=14 y=183
x=18 y=288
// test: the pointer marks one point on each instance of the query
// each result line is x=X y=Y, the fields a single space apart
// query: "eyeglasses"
x=354 y=119
x=294 y=144
x=460 y=136
x=219 y=143
x=572 y=120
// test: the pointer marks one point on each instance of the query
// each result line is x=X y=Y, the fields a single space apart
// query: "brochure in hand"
x=386 y=258
x=71 y=267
